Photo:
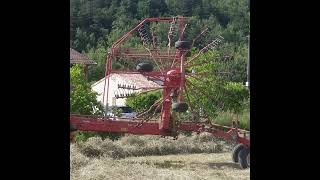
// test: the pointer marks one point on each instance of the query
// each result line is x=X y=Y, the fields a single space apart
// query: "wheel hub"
x=173 y=75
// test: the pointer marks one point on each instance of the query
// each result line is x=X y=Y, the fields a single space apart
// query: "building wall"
x=138 y=80
x=113 y=86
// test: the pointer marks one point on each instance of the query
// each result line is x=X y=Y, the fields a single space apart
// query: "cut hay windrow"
x=142 y=157
x=133 y=145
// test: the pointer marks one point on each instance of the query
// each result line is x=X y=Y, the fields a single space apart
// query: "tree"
x=186 y=7
x=236 y=97
x=142 y=102
x=82 y=98
x=212 y=94
x=99 y=55
x=158 y=8
x=143 y=9
x=236 y=64
x=83 y=101
x=197 y=8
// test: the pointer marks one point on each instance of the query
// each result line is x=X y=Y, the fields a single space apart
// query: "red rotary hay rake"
x=168 y=68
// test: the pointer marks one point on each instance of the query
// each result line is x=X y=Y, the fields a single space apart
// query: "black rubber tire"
x=243 y=154
x=72 y=128
x=248 y=159
x=180 y=107
x=144 y=67
x=182 y=44
x=235 y=152
x=158 y=110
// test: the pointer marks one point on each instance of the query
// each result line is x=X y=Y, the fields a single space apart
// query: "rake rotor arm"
x=204 y=93
x=189 y=102
x=231 y=135
x=124 y=37
x=129 y=33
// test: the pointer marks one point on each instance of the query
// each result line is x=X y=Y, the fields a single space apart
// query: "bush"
x=225 y=119
x=236 y=96
x=82 y=99
x=142 y=102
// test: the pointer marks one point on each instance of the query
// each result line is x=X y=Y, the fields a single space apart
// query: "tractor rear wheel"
x=243 y=158
x=144 y=67
x=235 y=152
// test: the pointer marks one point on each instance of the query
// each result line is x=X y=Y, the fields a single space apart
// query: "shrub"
x=225 y=119
x=142 y=102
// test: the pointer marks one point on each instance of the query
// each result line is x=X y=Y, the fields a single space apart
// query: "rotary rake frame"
x=171 y=72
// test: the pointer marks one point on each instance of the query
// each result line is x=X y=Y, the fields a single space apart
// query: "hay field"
x=152 y=157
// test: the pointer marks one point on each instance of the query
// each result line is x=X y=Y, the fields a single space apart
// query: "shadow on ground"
x=223 y=164
x=180 y=164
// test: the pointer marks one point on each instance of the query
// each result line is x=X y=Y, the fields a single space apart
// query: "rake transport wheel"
x=72 y=128
x=244 y=156
x=182 y=44
x=180 y=107
x=248 y=159
x=235 y=152
x=144 y=67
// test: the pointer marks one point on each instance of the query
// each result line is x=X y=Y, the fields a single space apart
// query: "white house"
x=136 y=81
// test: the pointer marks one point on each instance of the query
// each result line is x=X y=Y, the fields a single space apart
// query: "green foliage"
x=142 y=102
x=212 y=93
x=96 y=72
x=235 y=97
x=117 y=111
x=225 y=119
x=101 y=22
x=82 y=99
x=206 y=91
x=143 y=10
x=236 y=66
x=186 y=7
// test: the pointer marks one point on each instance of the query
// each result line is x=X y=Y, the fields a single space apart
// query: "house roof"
x=137 y=80
x=78 y=58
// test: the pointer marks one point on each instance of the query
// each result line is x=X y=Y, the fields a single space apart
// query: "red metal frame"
x=174 y=79
x=118 y=125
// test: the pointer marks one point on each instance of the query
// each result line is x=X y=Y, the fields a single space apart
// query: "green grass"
x=226 y=118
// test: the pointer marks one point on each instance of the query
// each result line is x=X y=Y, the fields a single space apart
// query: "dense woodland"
x=96 y=24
